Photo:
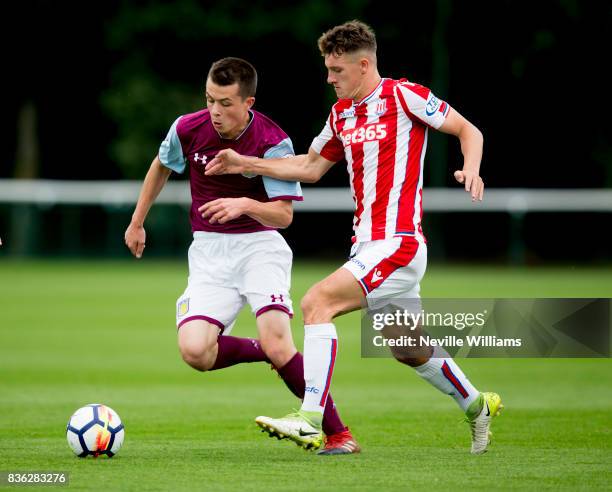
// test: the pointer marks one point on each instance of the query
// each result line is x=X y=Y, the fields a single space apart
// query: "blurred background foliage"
x=161 y=48
x=93 y=89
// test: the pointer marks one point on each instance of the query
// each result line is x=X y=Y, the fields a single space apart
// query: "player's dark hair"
x=228 y=71
x=349 y=37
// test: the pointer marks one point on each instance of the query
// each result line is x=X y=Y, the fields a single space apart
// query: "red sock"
x=234 y=350
x=293 y=376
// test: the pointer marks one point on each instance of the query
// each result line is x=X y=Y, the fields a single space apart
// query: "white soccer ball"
x=95 y=430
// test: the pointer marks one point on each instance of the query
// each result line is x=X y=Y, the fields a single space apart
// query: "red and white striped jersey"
x=383 y=138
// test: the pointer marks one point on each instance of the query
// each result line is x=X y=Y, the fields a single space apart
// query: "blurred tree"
x=160 y=48
x=24 y=219
x=438 y=144
x=27 y=158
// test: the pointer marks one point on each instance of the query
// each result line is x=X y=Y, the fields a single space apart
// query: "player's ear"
x=250 y=101
x=364 y=63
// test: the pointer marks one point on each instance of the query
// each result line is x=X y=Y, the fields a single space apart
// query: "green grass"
x=73 y=333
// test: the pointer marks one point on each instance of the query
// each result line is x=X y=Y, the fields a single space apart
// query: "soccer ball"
x=94 y=430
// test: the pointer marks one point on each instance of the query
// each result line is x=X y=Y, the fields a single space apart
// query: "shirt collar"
x=243 y=131
x=369 y=96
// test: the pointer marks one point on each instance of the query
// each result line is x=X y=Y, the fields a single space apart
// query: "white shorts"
x=388 y=268
x=227 y=270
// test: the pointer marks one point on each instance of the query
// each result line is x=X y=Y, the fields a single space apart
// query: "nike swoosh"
x=488 y=411
x=302 y=433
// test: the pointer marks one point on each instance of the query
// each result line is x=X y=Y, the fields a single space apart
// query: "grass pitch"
x=73 y=333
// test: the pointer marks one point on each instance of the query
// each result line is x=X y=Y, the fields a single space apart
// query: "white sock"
x=443 y=372
x=320 y=347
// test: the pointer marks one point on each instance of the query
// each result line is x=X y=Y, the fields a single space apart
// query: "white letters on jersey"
x=383 y=139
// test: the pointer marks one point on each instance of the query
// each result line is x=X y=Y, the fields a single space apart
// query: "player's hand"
x=135 y=237
x=227 y=161
x=473 y=183
x=223 y=210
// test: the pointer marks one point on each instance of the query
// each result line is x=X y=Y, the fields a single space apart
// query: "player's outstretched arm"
x=154 y=181
x=278 y=214
x=471 y=147
x=307 y=168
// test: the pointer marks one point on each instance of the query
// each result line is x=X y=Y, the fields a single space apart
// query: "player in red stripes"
x=379 y=126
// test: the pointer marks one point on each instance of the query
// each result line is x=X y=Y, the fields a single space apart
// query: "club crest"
x=183 y=307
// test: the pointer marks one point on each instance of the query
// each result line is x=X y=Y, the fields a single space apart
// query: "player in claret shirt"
x=237 y=255
x=379 y=126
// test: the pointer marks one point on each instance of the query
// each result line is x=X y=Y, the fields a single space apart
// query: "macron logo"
x=376 y=276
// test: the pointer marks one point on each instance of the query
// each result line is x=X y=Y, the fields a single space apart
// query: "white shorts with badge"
x=388 y=268
x=228 y=270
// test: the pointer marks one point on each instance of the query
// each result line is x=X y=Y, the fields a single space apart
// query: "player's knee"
x=200 y=355
x=409 y=358
x=404 y=359
x=316 y=306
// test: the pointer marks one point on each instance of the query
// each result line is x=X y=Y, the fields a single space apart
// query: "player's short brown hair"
x=349 y=37
x=228 y=71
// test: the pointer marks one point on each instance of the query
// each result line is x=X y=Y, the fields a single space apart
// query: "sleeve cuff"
x=287 y=197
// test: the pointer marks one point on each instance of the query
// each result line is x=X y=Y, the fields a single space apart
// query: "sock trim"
x=330 y=370
x=320 y=330
x=452 y=379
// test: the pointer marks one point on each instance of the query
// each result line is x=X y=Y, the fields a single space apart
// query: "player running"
x=237 y=255
x=379 y=126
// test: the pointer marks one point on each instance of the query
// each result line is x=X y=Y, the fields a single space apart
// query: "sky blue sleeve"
x=171 y=151
x=276 y=188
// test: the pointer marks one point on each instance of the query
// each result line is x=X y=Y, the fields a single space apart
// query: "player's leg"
x=394 y=283
x=197 y=342
x=275 y=336
x=262 y=275
x=209 y=307
x=277 y=342
x=203 y=348
x=443 y=373
x=337 y=294
x=205 y=316
x=266 y=276
x=435 y=365
x=338 y=437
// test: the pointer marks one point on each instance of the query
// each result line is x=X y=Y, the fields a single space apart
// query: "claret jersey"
x=383 y=138
x=193 y=141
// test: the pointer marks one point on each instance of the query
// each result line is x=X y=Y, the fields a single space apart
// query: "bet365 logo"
x=362 y=134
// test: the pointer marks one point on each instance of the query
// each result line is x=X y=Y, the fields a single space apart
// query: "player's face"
x=228 y=110
x=346 y=74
